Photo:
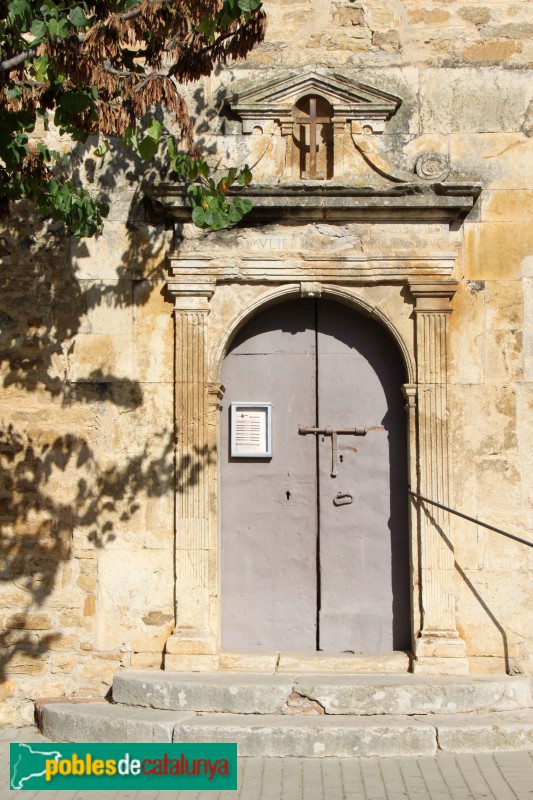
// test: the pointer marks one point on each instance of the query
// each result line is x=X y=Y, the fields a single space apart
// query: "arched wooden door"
x=315 y=552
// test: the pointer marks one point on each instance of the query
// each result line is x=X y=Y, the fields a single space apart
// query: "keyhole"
x=288 y=495
x=341 y=458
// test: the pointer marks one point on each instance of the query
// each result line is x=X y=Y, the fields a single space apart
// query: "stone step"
x=238 y=693
x=303 y=736
x=355 y=737
x=107 y=722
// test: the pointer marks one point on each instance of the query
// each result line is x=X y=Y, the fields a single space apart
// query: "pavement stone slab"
x=487 y=776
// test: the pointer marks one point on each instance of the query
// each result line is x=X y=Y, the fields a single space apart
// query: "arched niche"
x=313 y=139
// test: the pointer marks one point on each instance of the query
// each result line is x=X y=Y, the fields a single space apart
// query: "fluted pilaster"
x=438 y=648
x=193 y=457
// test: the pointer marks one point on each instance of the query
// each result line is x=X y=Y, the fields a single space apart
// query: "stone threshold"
x=397 y=662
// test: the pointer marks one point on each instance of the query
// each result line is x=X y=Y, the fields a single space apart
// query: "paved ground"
x=496 y=776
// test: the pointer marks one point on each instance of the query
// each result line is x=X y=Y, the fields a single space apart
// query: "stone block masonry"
x=104 y=493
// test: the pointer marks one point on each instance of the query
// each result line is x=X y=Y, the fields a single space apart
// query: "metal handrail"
x=470 y=519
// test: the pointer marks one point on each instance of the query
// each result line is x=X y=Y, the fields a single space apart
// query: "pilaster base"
x=187 y=663
x=442 y=653
x=178 y=645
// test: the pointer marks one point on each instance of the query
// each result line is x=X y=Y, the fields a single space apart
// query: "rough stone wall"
x=463 y=71
x=86 y=457
x=86 y=409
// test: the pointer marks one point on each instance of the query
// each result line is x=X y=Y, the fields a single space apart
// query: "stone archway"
x=367 y=235
x=203 y=329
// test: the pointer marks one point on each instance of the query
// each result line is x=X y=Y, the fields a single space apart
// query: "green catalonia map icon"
x=28 y=765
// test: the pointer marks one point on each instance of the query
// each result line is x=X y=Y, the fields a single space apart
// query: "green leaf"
x=44 y=151
x=245 y=176
x=234 y=214
x=131 y=138
x=63 y=28
x=249 y=5
x=74 y=102
x=172 y=149
x=12 y=149
x=198 y=216
x=13 y=91
x=20 y=14
x=78 y=18
x=40 y=66
x=102 y=149
x=195 y=193
x=243 y=204
x=38 y=28
x=155 y=129
x=148 y=148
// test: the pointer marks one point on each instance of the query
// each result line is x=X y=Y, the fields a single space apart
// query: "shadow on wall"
x=56 y=480
x=57 y=483
x=511 y=665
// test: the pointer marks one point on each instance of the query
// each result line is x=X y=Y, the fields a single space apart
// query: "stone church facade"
x=371 y=316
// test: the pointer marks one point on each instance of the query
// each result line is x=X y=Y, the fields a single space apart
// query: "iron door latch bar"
x=334 y=432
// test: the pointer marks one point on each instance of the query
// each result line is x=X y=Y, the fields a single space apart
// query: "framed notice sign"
x=251 y=430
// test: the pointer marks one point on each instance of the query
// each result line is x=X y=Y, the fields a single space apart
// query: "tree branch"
x=16 y=61
x=11 y=63
x=221 y=38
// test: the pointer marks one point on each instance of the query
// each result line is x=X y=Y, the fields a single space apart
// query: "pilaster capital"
x=409 y=391
x=191 y=293
x=432 y=296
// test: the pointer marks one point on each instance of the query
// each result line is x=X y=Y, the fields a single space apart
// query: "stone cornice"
x=303 y=201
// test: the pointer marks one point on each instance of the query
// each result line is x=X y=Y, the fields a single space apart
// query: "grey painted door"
x=310 y=560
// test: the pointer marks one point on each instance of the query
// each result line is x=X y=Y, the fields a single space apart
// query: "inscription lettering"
x=275 y=243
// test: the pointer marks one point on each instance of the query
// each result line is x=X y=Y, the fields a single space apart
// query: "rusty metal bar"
x=329 y=431
x=470 y=519
x=334 y=432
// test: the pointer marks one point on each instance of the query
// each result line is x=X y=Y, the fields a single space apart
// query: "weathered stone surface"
x=185 y=663
x=414 y=695
x=312 y=736
x=30 y=621
x=7 y=689
x=356 y=695
x=177 y=645
x=495 y=251
x=145 y=661
x=129 y=583
x=317 y=662
x=484 y=734
x=219 y=692
x=64 y=722
x=477 y=15
x=251 y=662
x=455 y=101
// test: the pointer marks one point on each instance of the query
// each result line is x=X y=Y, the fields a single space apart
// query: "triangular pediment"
x=349 y=99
